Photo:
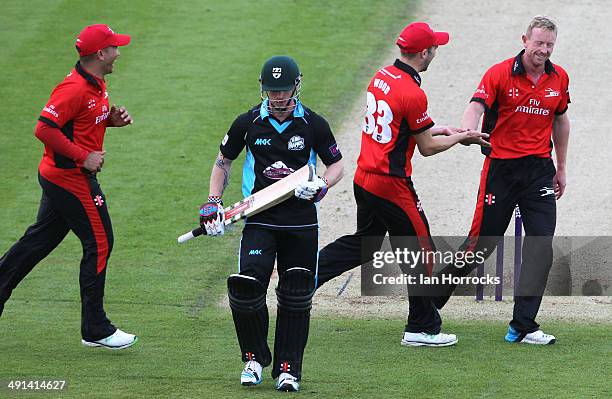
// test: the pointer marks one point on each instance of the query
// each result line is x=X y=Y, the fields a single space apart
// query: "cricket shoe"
x=424 y=339
x=288 y=383
x=251 y=375
x=534 y=338
x=119 y=340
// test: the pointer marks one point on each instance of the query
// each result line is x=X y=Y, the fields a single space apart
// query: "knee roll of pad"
x=245 y=293
x=295 y=289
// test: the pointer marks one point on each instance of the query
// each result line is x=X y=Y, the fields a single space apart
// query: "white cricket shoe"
x=534 y=338
x=288 y=383
x=119 y=340
x=251 y=375
x=424 y=339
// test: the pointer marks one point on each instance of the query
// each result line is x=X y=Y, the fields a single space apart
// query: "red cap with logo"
x=97 y=37
x=418 y=36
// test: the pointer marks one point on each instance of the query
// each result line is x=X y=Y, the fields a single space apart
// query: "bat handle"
x=191 y=234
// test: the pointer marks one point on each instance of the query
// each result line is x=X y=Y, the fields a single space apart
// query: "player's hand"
x=119 y=117
x=94 y=161
x=559 y=183
x=447 y=131
x=475 y=137
x=212 y=217
x=312 y=190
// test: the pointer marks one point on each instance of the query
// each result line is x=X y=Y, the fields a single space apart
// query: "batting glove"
x=212 y=216
x=312 y=190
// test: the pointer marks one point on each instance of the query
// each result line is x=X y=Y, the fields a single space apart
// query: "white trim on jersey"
x=282 y=226
x=385 y=72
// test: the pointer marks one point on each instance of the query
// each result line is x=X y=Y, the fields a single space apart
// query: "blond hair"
x=542 y=22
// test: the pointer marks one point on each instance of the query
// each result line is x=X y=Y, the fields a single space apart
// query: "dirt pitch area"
x=483 y=33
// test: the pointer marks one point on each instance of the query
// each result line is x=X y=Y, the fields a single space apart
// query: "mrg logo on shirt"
x=552 y=93
x=533 y=108
x=51 y=110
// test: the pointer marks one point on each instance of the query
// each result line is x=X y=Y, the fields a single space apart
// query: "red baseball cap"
x=99 y=36
x=418 y=36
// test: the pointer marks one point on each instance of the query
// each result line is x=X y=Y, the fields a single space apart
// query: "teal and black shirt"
x=276 y=149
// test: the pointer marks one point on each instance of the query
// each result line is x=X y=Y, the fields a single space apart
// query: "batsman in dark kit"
x=281 y=135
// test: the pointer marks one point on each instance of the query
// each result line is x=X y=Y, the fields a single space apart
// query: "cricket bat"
x=261 y=200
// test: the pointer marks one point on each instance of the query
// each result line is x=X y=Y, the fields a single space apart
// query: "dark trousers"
x=75 y=203
x=528 y=183
x=259 y=248
x=385 y=204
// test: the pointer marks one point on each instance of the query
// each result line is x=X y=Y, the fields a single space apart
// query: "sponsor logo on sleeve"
x=50 y=109
x=423 y=118
x=334 y=150
x=224 y=141
x=481 y=92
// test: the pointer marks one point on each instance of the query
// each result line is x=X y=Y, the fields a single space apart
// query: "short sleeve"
x=565 y=95
x=486 y=93
x=234 y=140
x=63 y=105
x=417 y=114
x=325 y=143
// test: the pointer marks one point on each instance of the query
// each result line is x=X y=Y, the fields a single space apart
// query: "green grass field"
x=191 y=68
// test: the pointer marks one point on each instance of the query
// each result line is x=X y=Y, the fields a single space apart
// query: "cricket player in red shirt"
x=524 y=100
x=396 y=122
x=72 y=126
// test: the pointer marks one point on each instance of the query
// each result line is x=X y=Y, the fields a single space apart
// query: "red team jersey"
x=396 y=111
x=519 y=114
x=79 y=107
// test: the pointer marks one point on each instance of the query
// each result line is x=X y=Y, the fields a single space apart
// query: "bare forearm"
x=561 y=130
x=219 y=177
x=437 y=130
x=471 y=116
x=440 y=143
x=333 y=173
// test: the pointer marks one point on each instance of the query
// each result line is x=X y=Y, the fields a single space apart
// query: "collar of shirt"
x=99 y=83
x=409 y=70
x=518 y=68
x=298 y=112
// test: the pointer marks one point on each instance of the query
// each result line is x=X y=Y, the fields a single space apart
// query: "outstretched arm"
x=430 y=145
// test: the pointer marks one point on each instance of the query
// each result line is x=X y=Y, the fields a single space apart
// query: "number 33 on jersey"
x=396 y=110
